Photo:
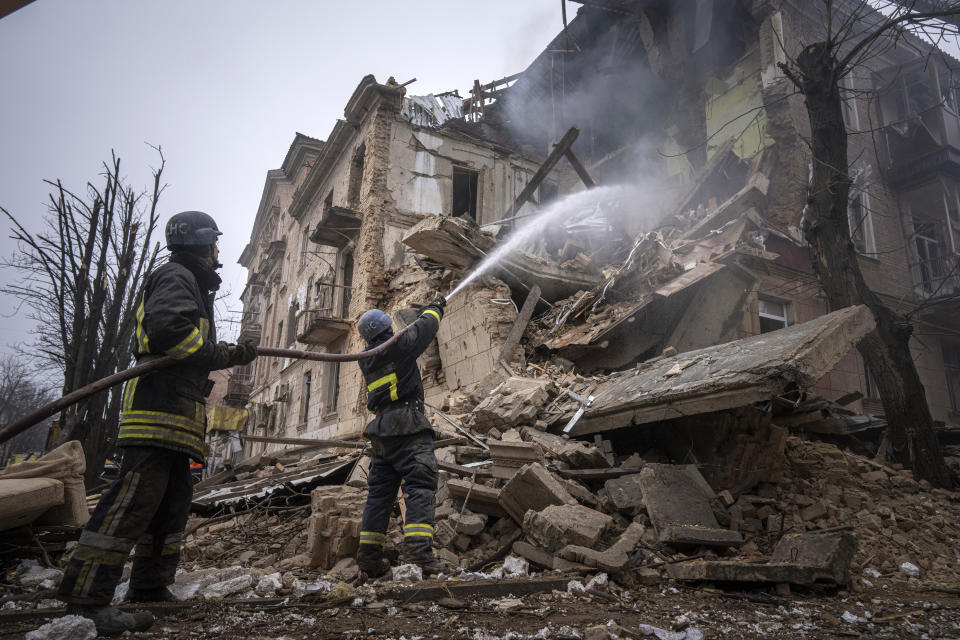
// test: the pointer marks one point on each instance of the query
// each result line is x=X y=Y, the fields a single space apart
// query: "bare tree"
x=19 y=395
x=855 y=31
x=82 y=277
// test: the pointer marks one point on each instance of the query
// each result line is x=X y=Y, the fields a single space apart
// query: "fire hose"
x=24 y=423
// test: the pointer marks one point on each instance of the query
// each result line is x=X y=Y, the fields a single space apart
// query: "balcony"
x=238 y=389
x=320 y=326
x=921 y=134
x=272 y=257
x=937 y=277
x=338 y=227
x=250 y=327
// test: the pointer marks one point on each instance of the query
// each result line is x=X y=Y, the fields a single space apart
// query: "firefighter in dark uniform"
x=162 y=427
x=401 y=439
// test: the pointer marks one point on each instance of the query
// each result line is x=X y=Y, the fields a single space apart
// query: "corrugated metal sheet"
x=431 y=110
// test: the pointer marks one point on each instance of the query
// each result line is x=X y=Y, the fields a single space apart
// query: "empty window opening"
x=347 y=281
x=292 y=322
x=465 y=193
x=774 y=314
x=305 y=401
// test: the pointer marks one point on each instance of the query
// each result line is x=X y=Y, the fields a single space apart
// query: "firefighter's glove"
x=439 y=303
x=221 y=356
x=243 y=353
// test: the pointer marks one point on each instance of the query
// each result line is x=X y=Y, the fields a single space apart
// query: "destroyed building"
x=650 y=391
x=686 y=120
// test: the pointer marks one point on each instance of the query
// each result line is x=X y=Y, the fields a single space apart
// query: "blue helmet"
x=191 y=229
x=372 y=323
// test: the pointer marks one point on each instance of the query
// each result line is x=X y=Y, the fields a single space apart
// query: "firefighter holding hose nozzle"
x=162 y=428
x=402 y=441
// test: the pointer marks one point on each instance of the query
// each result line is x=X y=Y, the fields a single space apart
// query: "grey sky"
x=222 y=86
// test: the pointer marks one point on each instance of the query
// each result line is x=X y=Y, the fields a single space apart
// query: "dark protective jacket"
x=166 y=408
x=394 y=386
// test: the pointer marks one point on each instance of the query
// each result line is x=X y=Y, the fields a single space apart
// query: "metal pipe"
x=44 y=412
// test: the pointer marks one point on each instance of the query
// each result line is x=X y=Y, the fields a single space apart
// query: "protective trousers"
x=410 y=460
x=146 y=507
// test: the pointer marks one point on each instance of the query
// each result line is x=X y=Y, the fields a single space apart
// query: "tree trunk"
x=913 y=441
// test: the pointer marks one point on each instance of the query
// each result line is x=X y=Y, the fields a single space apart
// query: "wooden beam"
x=520 y=324
x=580 y=169
x=559 y=150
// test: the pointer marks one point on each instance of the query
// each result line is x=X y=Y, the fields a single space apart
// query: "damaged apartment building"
x=666 y=148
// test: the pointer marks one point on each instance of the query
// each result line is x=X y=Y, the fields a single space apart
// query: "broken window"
x=279 y=332
x=848 y=99
x=951 y=366
x=333 y=386
x=465 y=184
x=931 y=211
x=774 y=314
x=859 y=219
x=305 y=401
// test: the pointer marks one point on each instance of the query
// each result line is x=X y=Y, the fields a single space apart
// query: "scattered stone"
x=910 y=569
x=559 y=525
x=65 y=628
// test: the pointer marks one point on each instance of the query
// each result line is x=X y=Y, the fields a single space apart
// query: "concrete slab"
x=678 y=502
x=726 y=376
x=801 y=559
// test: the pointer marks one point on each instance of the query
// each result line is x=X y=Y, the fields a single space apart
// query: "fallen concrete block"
x=559 y=525
x=626 y=494
x=578 y=454
x=802 y=559
x=469 y=524
x=532 y=488
x=358 y=477
x=480 y=498
x=830 y=552
x=614 y=559
x=508 y=457
x=23 y=500
x=542 y=558
x=678 y=501
x=515 y=402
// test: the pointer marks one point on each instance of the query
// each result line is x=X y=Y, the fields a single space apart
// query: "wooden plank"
x=520 y=324
x=308 y=442
x=553 y=158
x=580 y=169
x=466 y=472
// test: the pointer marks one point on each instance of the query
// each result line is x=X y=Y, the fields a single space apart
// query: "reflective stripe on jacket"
x=166 y=408
x=393 y=378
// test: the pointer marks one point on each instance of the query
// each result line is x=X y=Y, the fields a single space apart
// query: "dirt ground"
x=890 y=610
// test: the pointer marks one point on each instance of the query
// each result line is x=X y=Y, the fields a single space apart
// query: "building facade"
x=683 y=105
